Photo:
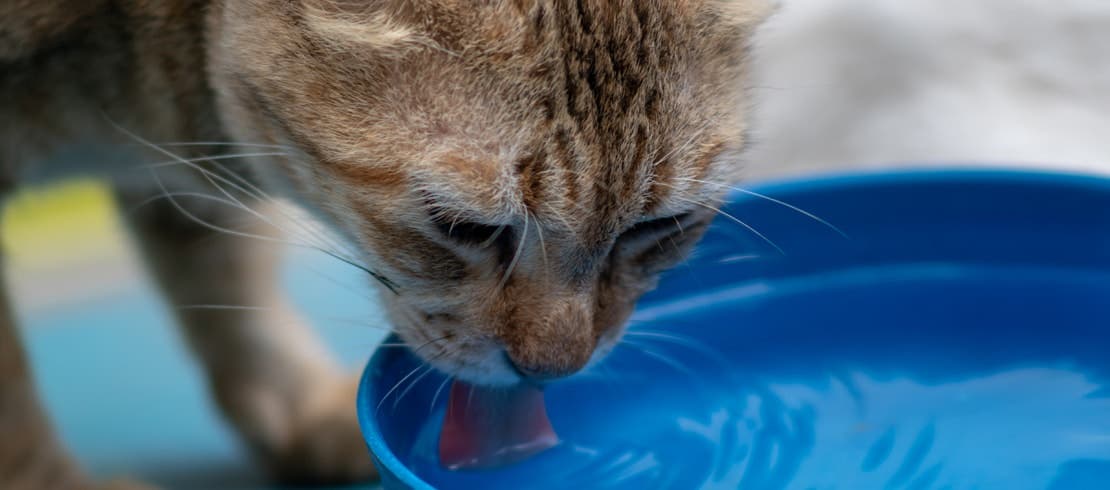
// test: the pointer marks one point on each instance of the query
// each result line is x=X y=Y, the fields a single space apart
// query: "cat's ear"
x=379 y=25
x=743 y=13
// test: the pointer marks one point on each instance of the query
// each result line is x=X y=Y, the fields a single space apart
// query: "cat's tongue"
x=490 y=427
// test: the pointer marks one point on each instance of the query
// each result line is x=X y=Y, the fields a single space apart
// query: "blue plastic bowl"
x=958 y=337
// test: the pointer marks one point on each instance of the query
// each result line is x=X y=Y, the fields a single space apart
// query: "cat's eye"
x=469 y=233
x=655 y=227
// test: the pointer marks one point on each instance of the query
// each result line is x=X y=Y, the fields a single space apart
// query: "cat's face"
x=519 y=171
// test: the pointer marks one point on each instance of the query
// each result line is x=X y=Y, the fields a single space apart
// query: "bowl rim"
x=387 y=462
x=390 y=464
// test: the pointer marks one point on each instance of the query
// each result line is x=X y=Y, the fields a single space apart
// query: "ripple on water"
x=1026 y=428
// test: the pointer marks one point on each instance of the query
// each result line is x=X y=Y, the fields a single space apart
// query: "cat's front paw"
x=326 y=445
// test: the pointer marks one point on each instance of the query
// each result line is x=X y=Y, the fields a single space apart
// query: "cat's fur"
x=598 y=133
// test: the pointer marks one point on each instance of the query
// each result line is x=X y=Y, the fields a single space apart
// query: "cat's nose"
x=547 y=368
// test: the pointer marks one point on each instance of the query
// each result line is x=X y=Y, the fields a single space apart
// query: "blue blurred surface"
x=128 y=398
x=959 y=337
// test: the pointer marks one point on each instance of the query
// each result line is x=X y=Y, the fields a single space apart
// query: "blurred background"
x=839 y=85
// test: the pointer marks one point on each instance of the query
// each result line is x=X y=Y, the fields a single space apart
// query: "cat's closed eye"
x=656 y=228
x=461 y=231
x=469 y=233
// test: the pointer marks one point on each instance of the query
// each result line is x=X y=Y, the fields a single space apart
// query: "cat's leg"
x=31 y=455
x=269 y=374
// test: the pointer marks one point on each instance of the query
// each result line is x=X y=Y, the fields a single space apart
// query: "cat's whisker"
x=732 y=259
x=682 y=341
x=543 y=247
x=599 y=371
x=430 y=342
x=413 y=384
x=435 y=397
x=257 y=193
x=253 y=191
x=171 y=196
x=209 y=176
x=516 y=255
x=683 y=147
x=677 y=366
x=469 y=399
x=735 y=220
x=210 y=158
x=772 y=200
x=606 y=374
x=493 y=238
x=361 y=291
x=423 y=365
x=161 y=185
x=397 y=385
x=562 y=218
x=221 y=143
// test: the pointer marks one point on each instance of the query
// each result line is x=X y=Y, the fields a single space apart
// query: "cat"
x=513 y=174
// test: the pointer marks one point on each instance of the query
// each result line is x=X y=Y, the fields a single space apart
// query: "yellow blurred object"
x=55 y=226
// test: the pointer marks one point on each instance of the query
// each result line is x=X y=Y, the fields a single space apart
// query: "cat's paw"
x=326 y=446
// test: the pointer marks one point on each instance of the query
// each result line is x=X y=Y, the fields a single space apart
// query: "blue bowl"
x=956 y=335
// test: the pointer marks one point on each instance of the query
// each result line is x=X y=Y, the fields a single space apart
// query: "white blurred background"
x=866 y=83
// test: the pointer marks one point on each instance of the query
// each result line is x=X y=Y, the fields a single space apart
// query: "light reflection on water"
x=856 y=431
x=769 y=397
x=959 y=339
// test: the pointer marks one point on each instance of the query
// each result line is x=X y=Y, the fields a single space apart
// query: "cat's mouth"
x=483 y=358
x=448 y=344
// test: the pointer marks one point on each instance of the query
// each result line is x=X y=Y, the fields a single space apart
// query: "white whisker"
x=350 y=261
x=516 y=256
x=677 y=366
x=543 y=247
x=221 y=143
x=435 y=397
x=731 y=259
x=689 y=343
x=396 y=386
x=246 y=187
x=397 y=400
x=684 y=146
x=736 y=220
x=212 y=158
x=772 y=200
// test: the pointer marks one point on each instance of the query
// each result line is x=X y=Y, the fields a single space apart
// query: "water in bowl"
x=942 y=398
x=957 y=335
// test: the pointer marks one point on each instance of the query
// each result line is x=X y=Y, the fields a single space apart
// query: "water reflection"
x=1024 y=428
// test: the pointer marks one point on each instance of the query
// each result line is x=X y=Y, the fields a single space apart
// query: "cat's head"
x=519 y=171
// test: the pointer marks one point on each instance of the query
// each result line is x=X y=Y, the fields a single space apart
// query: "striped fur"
x=515 y=173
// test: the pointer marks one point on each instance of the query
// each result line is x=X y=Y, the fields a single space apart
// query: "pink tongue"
x=491 y=427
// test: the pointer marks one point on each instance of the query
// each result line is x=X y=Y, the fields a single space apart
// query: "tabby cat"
x=512 y=176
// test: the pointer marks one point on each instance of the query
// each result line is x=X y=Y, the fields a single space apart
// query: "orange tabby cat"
x=514 y=173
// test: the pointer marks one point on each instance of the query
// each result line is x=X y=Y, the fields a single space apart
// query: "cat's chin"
x=489 y=368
